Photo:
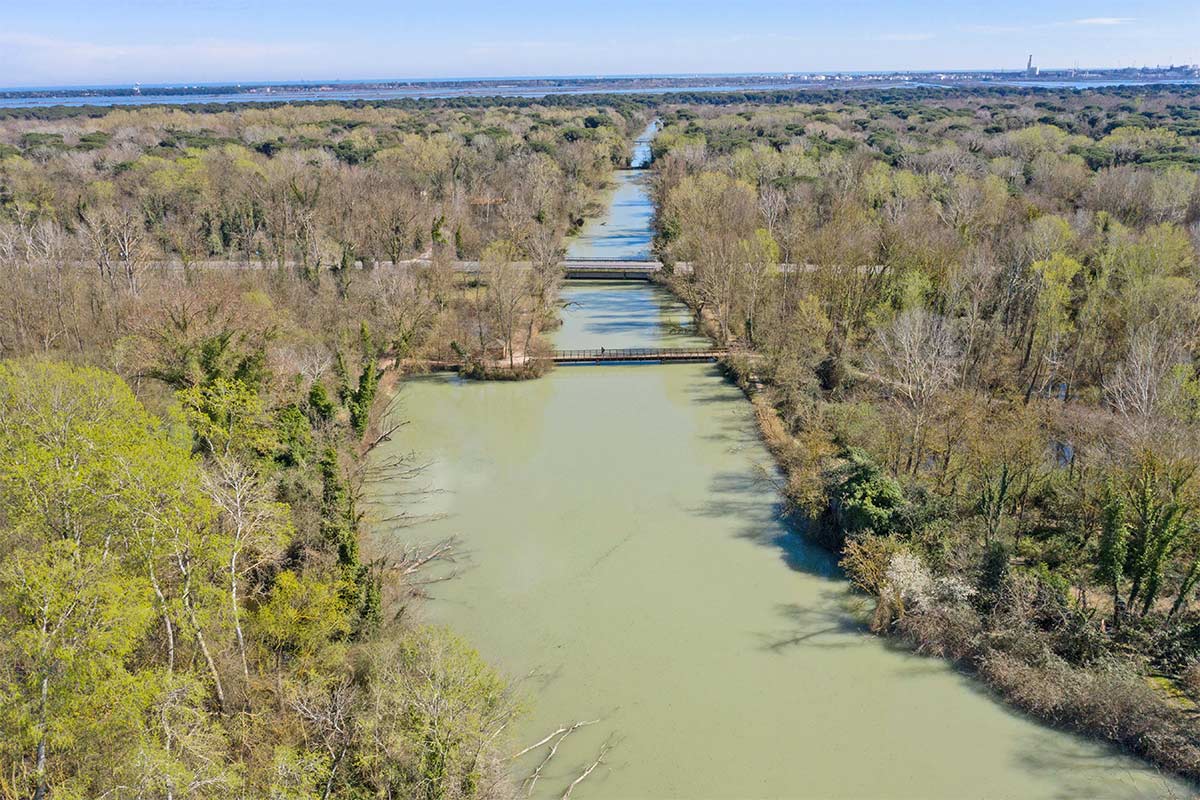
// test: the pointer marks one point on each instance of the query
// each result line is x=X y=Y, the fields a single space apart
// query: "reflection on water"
x=625 y=231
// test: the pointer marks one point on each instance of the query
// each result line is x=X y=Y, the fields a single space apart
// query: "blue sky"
x=151 y=41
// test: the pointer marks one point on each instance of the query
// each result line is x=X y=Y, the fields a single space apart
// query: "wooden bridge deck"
x=646 y=354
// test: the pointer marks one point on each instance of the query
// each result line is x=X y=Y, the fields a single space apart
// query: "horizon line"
x=579 y=77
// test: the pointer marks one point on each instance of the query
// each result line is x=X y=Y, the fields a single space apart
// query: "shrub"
x=866 y=560
x=863 y=500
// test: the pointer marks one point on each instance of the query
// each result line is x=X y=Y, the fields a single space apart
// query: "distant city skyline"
x=72 y=42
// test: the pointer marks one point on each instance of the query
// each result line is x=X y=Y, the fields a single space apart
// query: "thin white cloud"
x=904 y=37
x=993 y=28
x=1104 y=21
x=1042 y=26
x=787 y=38
x=43 y=57
x=509 y=46
x=767 y=37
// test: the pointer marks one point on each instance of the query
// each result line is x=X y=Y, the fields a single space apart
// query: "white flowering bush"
x=910 y=584
x=914 y=589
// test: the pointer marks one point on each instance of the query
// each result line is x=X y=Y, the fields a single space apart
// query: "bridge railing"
x=647 y=353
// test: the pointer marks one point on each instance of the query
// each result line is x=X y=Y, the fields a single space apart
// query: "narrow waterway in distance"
x=624 y=231
x=623 y=559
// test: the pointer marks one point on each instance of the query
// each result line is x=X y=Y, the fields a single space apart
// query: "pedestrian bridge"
x=638 y=354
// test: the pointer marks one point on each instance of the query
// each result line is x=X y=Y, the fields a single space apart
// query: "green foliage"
x=451 y=701
x=298 y=774
x=294 y=435
x=864 y=499
x=93 y=140
x=359 y=397
x=98 y=505
x=150 y=637
x=361 y=588
x=35 y=140
x=994 y=573
x=184 y=361
x=320 y=407
x=228 y=417
x=301 y=615
x=1160 y=515
x=1114 y=544
x=337 y=516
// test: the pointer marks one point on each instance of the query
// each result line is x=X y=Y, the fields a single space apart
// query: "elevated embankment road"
x=615 y=269
x=609 y=269
x=583 y=268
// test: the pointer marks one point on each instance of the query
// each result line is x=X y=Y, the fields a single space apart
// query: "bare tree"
x=505 y=300
x=257 y=528
x=918 y=357
x=1140 y=387
x=545 y=249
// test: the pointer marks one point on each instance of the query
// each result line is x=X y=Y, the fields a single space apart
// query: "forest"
x=969 y=327
x=968 y=321
x=202 y=317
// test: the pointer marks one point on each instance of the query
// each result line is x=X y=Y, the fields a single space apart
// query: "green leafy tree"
x=294 y=435
x=1160 y=514
x=320 y=407
x=434 y=706
x=228 y=417
x=1114 y=546
x=359 y=396
x=103 y=536
x=864 y=499
x=339 y=529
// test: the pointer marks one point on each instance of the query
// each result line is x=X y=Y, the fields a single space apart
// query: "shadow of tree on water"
x=822 y=625
x=1082 y=768
x=751 y=497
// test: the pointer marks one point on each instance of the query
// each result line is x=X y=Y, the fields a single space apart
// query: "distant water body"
x=335 y=92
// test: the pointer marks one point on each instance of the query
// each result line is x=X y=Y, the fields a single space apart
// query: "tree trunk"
x=237 y=618
x=40 y=792
x=191 y=610
x=170 y=628
x=1185 y=588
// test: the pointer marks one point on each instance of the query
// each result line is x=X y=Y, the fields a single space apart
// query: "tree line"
x=199 y=316
x=970 y=327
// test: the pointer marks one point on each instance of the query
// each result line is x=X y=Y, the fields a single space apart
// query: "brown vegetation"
x=184 y=604
x=971 y=332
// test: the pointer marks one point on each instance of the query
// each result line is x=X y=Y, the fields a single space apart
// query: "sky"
x=98 y=42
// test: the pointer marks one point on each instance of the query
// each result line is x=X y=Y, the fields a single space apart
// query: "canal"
x=623 y=559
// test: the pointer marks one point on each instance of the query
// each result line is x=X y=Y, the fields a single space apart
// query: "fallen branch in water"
x=552 y=734
x=537 y=773
x=599 y=759
x=536 y=745
x=385 y=436
x=412 y=559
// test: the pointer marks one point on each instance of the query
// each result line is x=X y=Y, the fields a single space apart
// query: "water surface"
x=344 y=91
